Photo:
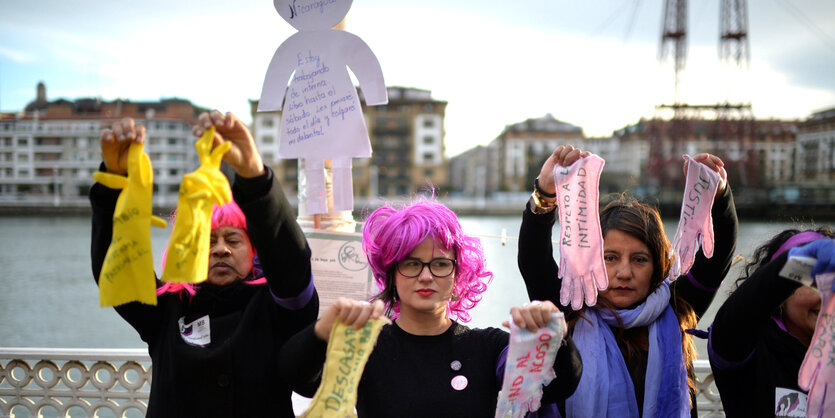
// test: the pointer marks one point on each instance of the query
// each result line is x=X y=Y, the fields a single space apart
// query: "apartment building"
x=757 y=153
x=517 y=154
x=471 y=173
x=815 y=149
x=50 y=149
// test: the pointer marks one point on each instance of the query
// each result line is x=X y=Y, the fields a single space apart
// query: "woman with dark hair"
x=426 y=363
x=213 y=346
x=637 y=359
x=760 y=335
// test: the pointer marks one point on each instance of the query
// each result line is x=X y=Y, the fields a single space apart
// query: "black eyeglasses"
x=439 y=267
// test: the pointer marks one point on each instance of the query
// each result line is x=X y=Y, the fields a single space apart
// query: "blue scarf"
x=606 y=389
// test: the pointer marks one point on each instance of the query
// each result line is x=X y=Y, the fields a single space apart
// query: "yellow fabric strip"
x=127 y=274
x=188 y=249
x=348 y=351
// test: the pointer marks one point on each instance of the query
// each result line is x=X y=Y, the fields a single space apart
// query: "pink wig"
x=390 y=235
x=228 y=214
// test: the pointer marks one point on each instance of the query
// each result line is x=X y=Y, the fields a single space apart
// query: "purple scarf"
x=606 y=389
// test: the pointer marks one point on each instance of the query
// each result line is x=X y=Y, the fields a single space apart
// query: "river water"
x=49 y=299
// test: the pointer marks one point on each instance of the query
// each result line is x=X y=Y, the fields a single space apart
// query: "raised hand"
x=350 y=312
x=714 y=163
x=243 y=155
x=823 y=250
x=532 y=316
x=563 y=155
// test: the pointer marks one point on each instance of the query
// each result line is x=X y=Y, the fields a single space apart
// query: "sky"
x=593 y=64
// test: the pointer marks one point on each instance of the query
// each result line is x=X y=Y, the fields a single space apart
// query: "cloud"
x=19 y=57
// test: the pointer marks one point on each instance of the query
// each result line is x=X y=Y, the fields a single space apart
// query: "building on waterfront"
x=765 y=159
x=509 y=163
x=759 y=154
x=50 y=149
x=407 y=141
x=815 y=151
x=521 y=148
x=471 y=173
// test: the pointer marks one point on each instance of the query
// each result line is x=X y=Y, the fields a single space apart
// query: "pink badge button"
x=459 y=382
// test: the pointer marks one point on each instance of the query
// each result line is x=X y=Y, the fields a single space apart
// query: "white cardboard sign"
x=322 y=117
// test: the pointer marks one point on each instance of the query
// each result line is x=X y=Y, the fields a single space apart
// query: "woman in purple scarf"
x=637 y=359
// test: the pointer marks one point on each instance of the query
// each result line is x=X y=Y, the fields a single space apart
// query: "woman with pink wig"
x=426 y=363
x=214 y=346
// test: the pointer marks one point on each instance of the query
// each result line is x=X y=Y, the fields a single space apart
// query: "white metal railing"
x=86 y=382
x=708 y=401
x=74 y=382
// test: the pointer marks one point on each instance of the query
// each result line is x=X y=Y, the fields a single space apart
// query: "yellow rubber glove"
x=128 y=271
x=348 y=351
x=188 y=249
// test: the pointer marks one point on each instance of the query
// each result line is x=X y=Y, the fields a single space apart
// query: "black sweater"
x=541 y=272
x=410 y=375
x=749 y=354
x=235 y=374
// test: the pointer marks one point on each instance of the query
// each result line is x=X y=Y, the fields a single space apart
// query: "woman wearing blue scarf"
x=637 y=359
x=761 y=333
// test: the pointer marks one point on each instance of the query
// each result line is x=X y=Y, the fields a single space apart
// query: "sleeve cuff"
x=297 y=302
x=501 y=364
x=699 y=285
x=720 y=362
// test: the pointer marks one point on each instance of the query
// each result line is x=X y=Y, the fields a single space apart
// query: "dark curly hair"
x=763 y=254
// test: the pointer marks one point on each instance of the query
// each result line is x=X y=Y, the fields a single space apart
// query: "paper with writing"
x=530 y=365
x=127 y=274
x=696 y=221
x=582 y=269
x=188 y=249
x=322 y=115
x=339 y=266
x=348 y=351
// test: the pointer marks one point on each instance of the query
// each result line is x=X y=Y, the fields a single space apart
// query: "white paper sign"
x=340 y=268
x=322 y=115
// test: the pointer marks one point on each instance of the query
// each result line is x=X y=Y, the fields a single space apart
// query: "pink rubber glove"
x=582 y=269
x=696 y=220
x=817 y=373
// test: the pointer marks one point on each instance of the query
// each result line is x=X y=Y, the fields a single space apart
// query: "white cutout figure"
x=322 y=117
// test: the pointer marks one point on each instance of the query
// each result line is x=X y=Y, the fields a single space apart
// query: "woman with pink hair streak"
x=214 y=346
x=426 y=363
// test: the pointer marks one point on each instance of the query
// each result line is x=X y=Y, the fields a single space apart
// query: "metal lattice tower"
x=730 y=122
x=733 y=39
x=674 y=37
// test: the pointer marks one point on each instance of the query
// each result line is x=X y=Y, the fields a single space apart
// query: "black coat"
x=236 y=373
x=749 y=354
